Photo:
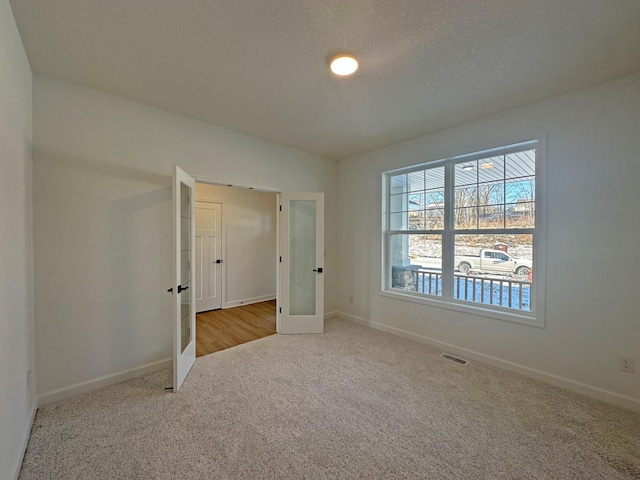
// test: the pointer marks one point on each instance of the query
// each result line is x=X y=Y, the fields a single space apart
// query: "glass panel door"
x=185 y=270
x=184 y=349
x=302 y=269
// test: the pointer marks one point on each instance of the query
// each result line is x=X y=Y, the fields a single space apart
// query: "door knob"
x=218 y=261
x=319 y=269
x=182 y=289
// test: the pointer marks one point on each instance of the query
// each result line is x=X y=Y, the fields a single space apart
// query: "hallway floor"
x=220 y=329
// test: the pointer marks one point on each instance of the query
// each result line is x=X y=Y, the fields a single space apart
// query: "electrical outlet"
x=627 y=364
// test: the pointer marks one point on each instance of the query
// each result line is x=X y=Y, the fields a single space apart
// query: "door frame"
x=278 y=256
x=278 y=263
x=223 y=273
x=209 y=181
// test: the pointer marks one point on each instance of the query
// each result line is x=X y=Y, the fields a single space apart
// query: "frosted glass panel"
x=185 y=273
x=302 y=257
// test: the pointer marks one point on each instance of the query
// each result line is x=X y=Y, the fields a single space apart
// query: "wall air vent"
x=455 y=359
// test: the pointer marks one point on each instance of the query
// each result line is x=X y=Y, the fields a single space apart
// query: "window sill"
x=464 y=307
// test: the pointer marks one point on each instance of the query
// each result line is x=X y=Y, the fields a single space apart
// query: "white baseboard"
x=248 y=301
x=90 y=385
x=550 y=378
x=25 y=441
x=329 y=315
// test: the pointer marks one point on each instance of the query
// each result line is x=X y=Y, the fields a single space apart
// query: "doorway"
x=236 y=272
x=299 y=250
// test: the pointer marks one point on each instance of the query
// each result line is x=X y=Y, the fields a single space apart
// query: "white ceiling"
x=259 y=67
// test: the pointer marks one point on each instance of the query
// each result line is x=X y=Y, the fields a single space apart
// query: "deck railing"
x=505 y=292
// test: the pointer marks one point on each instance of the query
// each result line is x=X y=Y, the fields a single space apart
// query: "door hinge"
x=280 y=207
x=280 y=309
x=280 y=259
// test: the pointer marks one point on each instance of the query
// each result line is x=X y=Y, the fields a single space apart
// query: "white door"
x=302 y=277
x=208 y=248
x=184 y=299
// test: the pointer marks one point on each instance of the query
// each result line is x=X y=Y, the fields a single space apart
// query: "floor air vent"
x=455 y=359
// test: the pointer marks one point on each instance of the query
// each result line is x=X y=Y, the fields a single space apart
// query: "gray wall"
x=17 y=396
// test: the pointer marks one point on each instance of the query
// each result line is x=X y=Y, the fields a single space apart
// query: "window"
x=464 y=232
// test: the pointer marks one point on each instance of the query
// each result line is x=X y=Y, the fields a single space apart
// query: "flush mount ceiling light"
x=486 y=165
x=344 y=65
x=467 y=167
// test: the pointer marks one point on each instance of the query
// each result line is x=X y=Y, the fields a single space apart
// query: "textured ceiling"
x=259 y=67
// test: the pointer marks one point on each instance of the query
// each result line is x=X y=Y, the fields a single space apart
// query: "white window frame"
x=536 y=317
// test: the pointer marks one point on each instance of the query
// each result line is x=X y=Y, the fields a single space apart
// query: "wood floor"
x=220 y=329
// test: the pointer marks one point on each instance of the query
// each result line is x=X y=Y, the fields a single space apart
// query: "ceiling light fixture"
x=486 y=165
x=344 y=65
x=467 y=167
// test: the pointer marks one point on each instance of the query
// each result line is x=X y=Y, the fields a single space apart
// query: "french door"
x=301 y=308
x=184 y=299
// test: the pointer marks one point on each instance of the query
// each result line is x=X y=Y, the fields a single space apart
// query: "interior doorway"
x=236 y=273
x=295 y=250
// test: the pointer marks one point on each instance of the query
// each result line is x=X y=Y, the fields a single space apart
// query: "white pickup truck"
x=494 y=261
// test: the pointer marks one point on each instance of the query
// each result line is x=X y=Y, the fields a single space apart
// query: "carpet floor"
x=354 y=403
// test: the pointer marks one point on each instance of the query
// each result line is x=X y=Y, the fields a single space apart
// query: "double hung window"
x=465 y=231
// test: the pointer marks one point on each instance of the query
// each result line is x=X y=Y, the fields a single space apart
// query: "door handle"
x=218 y=261
x=319 y=269
x=182 y=289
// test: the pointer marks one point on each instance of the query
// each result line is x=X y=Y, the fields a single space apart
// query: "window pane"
x=434 y=179
x=491 y=193
x=416 y=263
x=520 y=189
x=466 y=218
x=491 y=216
x=521 y=215
x=434 y=199
x=399 y=202
x=415 y=181
x=399 y=221
x=466 y=196
x=434 y=219
x=416 y=220
x=416 y=201
x=398 y=183
x=520 y=164
x=466 y=173
x=494 y=270
x=491 y=169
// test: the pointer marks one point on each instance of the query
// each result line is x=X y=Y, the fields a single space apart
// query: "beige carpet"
x=352 y=403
